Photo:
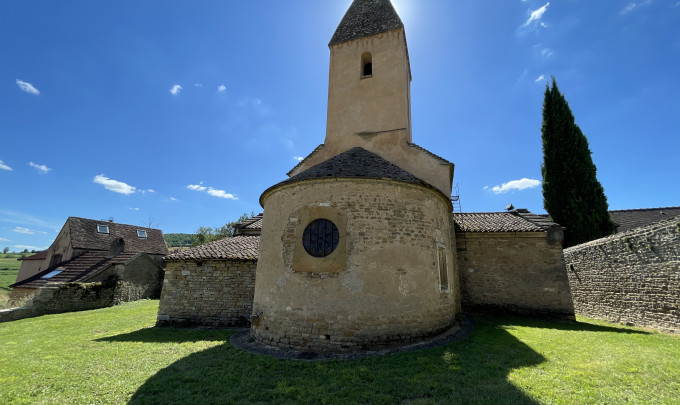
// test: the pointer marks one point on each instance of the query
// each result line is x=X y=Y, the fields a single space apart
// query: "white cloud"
x=114 y=185
x=133 y=209
x=4 y=166
x=547 y=52
x=211 y=191
x=536 y=15
x=175 y=89
x=196 y=187
x=522 y=184
x=221 y=88
x=540 y=78
x=4 y=240
x=24 y=231
x=298 y=158
x=197 y=85
x=173 y=199
x=42 y=169
x=27 y=87
x=633 y=5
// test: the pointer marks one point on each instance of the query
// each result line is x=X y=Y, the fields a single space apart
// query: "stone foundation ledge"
x=243 y=341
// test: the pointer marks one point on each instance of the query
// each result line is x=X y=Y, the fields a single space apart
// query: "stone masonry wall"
x=514 y=273
x=631 y=277
x=210 y=293
x=56 y=298
x=380 y=286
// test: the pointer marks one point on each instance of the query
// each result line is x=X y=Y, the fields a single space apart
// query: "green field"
x=115 y=356
x=9 y=267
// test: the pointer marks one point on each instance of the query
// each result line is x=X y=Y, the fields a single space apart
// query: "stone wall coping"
x=635 y=232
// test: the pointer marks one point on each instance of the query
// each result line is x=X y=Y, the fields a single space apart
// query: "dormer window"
x=366 y=65
x=103 y=229
x=141 y=233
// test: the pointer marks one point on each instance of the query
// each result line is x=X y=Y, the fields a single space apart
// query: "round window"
x=320 y=238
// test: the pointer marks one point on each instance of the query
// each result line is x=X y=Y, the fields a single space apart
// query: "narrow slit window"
x=443 y=268
x=366 y=65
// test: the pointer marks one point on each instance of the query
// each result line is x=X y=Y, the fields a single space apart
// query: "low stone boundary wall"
x=56 y=298
x=631 y=277
x=208 y=293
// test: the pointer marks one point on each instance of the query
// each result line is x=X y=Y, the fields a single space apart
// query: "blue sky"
x=184 y=112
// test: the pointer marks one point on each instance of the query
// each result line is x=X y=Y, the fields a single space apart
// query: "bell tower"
x=370 y=77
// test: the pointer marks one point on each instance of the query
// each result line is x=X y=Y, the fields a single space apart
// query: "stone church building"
x=360 y=246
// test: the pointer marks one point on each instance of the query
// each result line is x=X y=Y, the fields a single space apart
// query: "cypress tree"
x=572 y=195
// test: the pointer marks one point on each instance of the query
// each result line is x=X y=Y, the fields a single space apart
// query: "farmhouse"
x=88 y=250
x=360 y=247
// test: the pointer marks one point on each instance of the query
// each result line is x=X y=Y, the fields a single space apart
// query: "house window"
x=320 y=238
x=366 y=65
x=443 y=267
x=51 y=274
x=102 y=229
x=141 y=233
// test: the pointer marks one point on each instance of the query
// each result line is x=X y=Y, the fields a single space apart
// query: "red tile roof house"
x=88 y=250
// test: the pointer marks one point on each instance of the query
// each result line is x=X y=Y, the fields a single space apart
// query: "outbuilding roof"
x=497 y=222
x=38 y=256
x=241 y=247
x=365 y=18
x=635 y=218
x=84 y=235
x=77 y=269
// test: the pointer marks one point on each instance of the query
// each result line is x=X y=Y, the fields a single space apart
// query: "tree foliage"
x=179 y=239
x=206 y=234
x=572 y=195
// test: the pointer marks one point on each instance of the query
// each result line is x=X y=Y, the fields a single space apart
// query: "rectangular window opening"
x=443 y=267
x=102 y=229
x=51 y=274
x=141 y=233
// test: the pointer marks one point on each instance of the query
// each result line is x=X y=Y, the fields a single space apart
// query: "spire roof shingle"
x=365 y=18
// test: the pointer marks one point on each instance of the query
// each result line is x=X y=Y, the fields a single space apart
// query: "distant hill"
x=179 y=239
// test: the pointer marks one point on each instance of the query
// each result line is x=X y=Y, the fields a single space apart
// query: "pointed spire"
x=365 y=18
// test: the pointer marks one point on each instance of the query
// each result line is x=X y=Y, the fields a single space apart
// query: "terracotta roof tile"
x=355 y=163
x=84 y=236
x=365 y=18
x=242 y=247
x=494 y=222
x=635 y=218
x=76 y=269
x=38 y=256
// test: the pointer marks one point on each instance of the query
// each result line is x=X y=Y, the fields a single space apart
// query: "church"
x=360 y=247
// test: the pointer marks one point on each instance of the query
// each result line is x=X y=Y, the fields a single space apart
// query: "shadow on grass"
x=170 y=335
x=509 y=321
x=471 y=371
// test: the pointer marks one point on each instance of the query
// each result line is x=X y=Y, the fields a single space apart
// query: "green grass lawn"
x=9 y=267
x=114 y=356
